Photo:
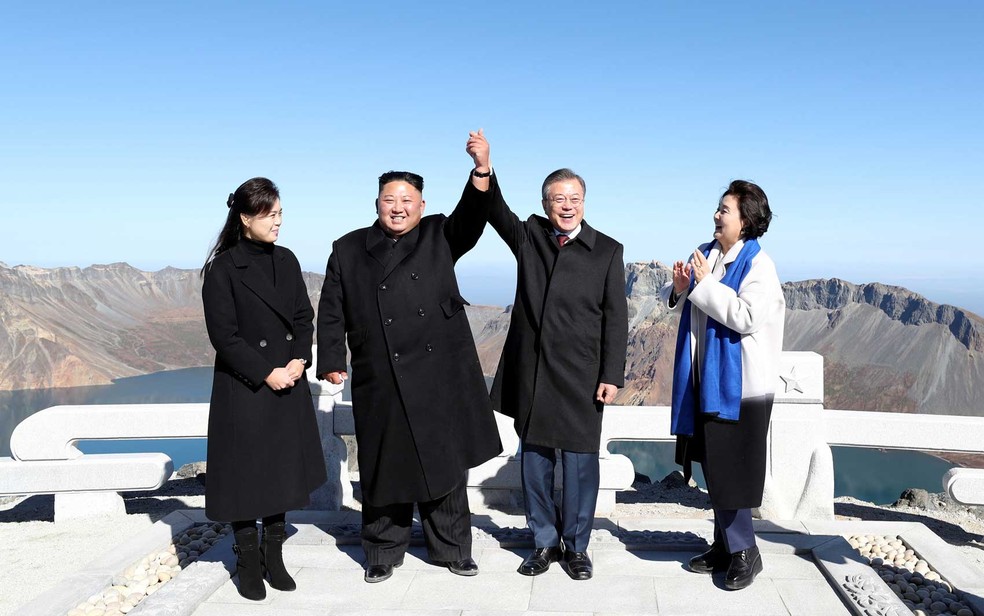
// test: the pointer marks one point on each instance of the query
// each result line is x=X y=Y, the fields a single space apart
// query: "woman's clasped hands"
x=283 y=378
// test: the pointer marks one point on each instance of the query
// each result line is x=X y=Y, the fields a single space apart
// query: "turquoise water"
x=187 y=385
x=868 y=474
x=873 y=475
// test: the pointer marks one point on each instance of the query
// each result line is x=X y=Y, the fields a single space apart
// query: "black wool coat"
x=421 y=407
x=264 y=448
x=568 y=331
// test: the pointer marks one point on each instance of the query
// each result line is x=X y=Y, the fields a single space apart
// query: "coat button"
x=263 y=344
x=396 y=357
x=429 y=348
x=290 y=337
x=420 y=312
x=414 y=276
x=388 y=322
x=382 y=287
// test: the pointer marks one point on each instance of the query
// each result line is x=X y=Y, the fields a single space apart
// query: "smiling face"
x=727 y=222
x=399 y=208
x=564 y=205
x=264 y=227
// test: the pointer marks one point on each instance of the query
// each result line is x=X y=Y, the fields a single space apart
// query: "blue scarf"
x=720 y=376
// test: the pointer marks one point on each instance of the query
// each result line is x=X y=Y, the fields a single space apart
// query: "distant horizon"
x=128 y=125
x=493 y=284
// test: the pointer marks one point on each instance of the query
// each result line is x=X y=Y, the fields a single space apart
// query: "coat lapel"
x=390 y=255
x=257 y=282
x=378 y=245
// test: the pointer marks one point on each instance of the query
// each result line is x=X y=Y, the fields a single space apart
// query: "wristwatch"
x=480 y=174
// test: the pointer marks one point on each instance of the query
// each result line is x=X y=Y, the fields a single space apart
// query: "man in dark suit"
x=421 y=407
x=563 y=360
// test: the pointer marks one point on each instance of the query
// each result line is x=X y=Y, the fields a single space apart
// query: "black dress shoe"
x=465 y=566
x=578 y=565
x=745 y=565
x=539 y=561
x=713 y=560
x=378 y=573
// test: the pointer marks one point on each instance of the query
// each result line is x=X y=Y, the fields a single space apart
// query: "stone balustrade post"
x=337 y=491
x=799 y=478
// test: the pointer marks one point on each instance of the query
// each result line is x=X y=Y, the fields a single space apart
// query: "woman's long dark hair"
x=254 y=197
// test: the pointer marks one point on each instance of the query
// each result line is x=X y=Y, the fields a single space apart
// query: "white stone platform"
x=639 y=569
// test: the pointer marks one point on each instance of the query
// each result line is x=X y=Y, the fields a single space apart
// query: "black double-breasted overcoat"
x=264 y=449
x=421 y=407
x=568 y=331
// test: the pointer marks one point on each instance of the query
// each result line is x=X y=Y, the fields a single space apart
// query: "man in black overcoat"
x=563 y=360
x=421 y=407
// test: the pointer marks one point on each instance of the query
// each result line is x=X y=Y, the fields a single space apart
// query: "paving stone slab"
x=791 y=567
x=810 y=598
x=324 y=556
x=705 y=594
x=789 y=543
x=486 y=591
x=634 y=574
x=643 y=562
x=338 y=589
x=256 y=609
x=527 y=613
x=601 y=593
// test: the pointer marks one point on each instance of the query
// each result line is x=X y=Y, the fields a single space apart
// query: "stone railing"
x=799 y=481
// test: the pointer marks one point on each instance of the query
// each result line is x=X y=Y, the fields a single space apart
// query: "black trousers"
x=446 y=523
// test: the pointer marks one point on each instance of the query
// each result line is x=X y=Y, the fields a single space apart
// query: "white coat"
x=756 y=312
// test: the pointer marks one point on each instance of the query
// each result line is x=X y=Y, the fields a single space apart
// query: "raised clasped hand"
x=478 y=148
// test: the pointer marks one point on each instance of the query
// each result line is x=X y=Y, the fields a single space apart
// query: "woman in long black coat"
x=264 y=449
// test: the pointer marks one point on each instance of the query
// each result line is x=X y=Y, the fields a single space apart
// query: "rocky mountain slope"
x=884 y=348
x=71 y=326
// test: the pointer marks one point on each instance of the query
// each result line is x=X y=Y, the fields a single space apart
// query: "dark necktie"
x=563 y=239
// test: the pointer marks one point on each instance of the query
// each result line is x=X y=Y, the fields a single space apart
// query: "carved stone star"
x=791 y=381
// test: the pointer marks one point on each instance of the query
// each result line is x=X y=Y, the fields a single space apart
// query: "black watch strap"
x=480 y=174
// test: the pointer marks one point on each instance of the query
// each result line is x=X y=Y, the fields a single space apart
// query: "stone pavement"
x=639 y=569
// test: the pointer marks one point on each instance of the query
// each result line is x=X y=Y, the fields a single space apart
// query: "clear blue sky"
x=125 y=125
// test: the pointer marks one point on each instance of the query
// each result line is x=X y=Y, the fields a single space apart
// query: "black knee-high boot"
x=271 y=553
x=248 y=565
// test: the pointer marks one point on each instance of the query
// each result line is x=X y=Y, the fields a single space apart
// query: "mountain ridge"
x=885 y=347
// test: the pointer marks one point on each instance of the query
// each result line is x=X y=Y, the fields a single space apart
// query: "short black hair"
x=561 y=175
x=401 y=176
x=753 y=207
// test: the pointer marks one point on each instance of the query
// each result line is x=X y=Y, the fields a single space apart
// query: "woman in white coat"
x=726 y=366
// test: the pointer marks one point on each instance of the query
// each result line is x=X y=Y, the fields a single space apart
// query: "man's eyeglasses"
x=575 y=200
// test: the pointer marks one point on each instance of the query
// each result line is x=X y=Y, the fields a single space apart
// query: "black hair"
x=401 y=176
x=254 y=197
x=753 y=207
